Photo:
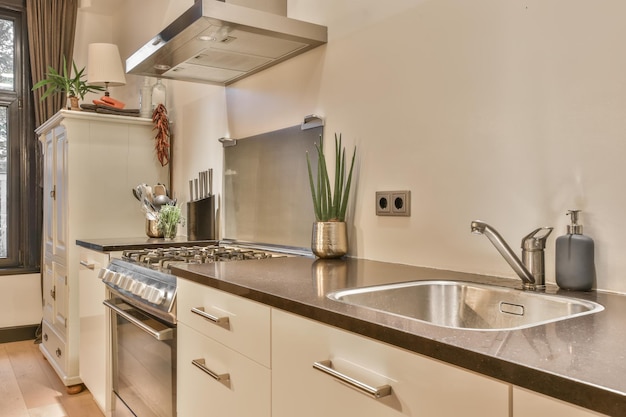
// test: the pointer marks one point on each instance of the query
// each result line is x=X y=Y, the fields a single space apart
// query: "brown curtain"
x=51 y=28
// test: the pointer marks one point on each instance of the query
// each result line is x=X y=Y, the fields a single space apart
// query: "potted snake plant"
x=329 y=238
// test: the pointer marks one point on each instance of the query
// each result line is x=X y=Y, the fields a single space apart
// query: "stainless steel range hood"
x=219 y=42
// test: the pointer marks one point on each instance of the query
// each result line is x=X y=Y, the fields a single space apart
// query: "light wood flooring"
x=29 y=387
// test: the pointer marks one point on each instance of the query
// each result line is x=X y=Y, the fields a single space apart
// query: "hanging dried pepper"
x=162 y=126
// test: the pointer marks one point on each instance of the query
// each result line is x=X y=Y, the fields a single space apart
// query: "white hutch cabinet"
x=91 y=163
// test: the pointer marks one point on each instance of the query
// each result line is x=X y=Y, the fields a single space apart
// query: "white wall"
x=511 y=112
x=20 y=300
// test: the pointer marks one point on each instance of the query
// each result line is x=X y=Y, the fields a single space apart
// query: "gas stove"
x=142 y=277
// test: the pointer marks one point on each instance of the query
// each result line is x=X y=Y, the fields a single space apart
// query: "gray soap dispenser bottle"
x=575 y=269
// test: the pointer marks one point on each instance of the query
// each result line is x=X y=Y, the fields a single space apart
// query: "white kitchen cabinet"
x=419 y=386
x=91 y=164
x=223 y=354
x=94 y=341
x=531 y=404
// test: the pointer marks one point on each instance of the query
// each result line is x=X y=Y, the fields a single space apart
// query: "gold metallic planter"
x=329 y=239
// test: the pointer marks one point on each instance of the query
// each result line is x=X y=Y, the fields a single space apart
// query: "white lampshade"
x=104 y=67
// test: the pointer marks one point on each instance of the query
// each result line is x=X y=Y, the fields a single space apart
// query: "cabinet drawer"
x=54 y=347
x=245 y=324
x=420 y=386
x=245 y=391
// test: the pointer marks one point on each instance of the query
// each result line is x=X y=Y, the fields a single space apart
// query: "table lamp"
x=104 y=68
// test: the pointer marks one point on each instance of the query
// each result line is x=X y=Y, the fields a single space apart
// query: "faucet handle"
x=536 y=241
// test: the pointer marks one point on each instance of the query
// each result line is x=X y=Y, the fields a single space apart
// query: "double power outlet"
x=393 y=203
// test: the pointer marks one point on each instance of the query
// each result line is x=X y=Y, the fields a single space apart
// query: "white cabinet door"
x=60 y=295
x=420 y=386
x=94 y=336
x=60 y=192
x=531 y=404
x=48 y=193
x=242 y=388
x=48 y=292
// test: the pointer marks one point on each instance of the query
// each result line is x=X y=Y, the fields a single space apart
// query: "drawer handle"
x=223 y=378
x=220 y=321
x=375 y=392
x=58 y=353
x=45 y=337
x=88 y=265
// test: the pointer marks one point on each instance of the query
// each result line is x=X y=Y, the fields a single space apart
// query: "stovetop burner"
x=163 y=258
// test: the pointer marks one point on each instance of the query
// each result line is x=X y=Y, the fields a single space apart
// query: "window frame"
x=24 y=191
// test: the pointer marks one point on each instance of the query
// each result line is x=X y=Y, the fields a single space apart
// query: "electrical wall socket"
x=393 y=203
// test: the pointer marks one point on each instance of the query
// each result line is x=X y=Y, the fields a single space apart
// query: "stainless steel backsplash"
x=267 y=198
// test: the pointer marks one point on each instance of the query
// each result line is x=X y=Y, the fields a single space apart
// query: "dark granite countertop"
x=581 y=360
x=120 y=244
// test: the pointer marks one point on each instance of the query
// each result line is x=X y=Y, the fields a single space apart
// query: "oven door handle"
x=165 y=334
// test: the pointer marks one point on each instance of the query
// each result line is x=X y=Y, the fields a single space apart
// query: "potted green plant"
x=74 y=86
x=168 y=219
x=329 y=237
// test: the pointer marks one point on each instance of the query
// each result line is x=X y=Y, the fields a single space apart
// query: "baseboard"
x=18 y=333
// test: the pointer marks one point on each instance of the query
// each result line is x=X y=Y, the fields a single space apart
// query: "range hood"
x=220 y=42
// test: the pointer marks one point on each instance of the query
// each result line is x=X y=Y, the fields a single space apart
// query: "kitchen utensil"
x=160 y=200
x=201 y=183
x=210 y=175
x=159 y=190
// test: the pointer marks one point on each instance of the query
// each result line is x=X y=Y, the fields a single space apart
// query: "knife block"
x=201 y=219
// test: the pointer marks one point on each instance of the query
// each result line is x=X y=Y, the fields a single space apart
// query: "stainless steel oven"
x=142 y=305
x=143 y=334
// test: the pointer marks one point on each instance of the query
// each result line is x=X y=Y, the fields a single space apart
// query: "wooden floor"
x=29 y=387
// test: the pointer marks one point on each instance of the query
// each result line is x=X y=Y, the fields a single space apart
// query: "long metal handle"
x=375 y=392
x=165 y=334
x=88 y=265
x=220 y=321
x=201 y=364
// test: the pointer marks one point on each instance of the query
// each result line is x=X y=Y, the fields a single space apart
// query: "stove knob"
x=107 y=275
x=138 y=288
x=157 y=296
x=102 y=272
x=115 y=278
x=121 y=277
x=127 y=282
x=147 y=292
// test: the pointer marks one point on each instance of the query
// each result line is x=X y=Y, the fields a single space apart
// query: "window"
x=20 y=194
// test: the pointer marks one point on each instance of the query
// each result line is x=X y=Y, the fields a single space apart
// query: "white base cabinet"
x=531 y=404
x=223 y=356
x=419 y=386
x=95 y=341
x=222 y=382
x=91 y=164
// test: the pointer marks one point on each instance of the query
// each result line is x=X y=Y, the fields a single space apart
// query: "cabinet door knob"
x=53 y=192
x=375 y=392
x=58 y=352
x=53 y=293
x=45 y=337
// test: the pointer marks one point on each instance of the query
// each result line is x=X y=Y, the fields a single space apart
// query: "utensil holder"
x=201 y=219
x=152 y=230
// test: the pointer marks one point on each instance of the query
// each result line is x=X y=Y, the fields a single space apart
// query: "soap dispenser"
x=575 y=269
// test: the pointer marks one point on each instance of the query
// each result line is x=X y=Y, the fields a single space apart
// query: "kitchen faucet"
x=532 y=269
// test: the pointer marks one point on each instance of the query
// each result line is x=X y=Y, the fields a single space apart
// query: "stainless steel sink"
x=465 y=305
